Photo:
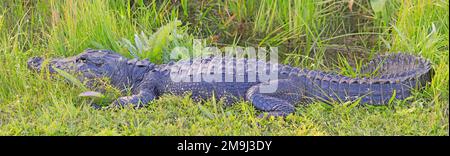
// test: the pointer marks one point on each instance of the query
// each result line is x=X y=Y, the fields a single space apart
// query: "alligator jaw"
x=38 y=63
x=35 y=63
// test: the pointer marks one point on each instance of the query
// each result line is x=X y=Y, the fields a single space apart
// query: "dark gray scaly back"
x=396 y=74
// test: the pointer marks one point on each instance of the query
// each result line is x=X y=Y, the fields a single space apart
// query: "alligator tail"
x=396 y=76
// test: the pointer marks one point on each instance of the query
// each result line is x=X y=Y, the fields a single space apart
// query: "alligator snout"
x=35 y=63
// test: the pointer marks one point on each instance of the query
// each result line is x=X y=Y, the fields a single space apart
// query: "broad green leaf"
x=145 y=41
x=377 y=5
x=138 y=42
x=160 y=39
x=130 y=47
x=152 y=46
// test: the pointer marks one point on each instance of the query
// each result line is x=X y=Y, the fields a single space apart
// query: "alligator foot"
x=136 y=101
x=96 y=106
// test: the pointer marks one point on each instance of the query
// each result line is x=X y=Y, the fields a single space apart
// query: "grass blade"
x=71 y=78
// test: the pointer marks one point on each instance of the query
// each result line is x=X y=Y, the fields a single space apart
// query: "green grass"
x=304 y=31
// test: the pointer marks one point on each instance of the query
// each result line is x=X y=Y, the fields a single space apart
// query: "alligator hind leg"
x=279 y=102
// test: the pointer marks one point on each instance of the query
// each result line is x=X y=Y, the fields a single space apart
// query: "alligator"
x=397 y=75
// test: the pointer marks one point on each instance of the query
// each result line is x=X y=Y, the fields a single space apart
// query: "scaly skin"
x=398 y=74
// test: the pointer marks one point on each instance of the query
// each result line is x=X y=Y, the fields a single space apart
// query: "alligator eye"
x=81 y=60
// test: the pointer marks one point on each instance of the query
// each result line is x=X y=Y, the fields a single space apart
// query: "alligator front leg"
x=137 y=101
x=278 y=103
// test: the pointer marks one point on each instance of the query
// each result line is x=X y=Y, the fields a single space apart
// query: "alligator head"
x=90 y=64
